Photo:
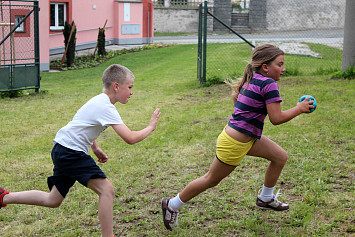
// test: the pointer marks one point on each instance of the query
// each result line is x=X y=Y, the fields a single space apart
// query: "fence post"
x=204 y=41
x=167 y=3
x=199 y=48
x=36 y=46
x=349 y=34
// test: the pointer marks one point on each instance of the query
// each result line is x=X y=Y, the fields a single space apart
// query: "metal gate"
x=19 y=45
x=202 y=40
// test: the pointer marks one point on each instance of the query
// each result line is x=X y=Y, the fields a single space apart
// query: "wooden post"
x=2 y=24
x=98 y=41
x=66 y=48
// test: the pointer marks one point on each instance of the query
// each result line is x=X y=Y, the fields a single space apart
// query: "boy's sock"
x=175 y=203
x=267 y=193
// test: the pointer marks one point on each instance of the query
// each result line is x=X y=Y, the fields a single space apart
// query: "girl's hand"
x=305 y=106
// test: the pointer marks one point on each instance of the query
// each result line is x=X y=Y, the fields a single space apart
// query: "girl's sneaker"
x=170 y=217
x=3 y=192
x=273 y=204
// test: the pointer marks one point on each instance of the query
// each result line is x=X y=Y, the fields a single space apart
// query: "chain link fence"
x=293 y=34
x=19 y=48
x=310 y=29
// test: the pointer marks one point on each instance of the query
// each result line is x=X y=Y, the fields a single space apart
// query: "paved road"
x=333 y=38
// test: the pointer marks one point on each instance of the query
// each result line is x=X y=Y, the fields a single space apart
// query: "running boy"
x=72 y=143
x=255 y=96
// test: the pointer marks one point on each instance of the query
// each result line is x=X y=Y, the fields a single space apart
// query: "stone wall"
x=178 y=20
x=222 y=9
x=304 y=14
x=264 y=15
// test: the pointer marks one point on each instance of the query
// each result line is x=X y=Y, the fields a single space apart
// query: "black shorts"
x=71 y=166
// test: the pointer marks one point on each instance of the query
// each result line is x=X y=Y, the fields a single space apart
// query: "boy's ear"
x=115 y=86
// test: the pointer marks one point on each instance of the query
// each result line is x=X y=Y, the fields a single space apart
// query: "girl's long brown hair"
x=263 y=54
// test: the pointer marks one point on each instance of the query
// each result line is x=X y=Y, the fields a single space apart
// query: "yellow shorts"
x=230 y=151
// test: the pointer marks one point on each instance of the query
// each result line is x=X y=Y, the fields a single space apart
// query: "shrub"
x=101 y=42
x=70 y=54
x=348 y=73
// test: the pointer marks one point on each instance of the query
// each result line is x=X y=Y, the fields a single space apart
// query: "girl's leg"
x=104 y=189
x=266 y=148
x=217 y=172
x=35 y=197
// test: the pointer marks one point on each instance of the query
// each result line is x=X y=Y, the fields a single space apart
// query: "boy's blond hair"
x=115 y=73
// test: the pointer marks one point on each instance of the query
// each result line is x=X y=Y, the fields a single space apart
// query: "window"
x=24 y=29
x=58 y=15
x=21 y=28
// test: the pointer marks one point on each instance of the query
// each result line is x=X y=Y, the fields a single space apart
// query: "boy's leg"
x=35 y=197
x=104 y=189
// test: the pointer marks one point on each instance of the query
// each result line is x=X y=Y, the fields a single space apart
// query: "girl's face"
x=276 y=68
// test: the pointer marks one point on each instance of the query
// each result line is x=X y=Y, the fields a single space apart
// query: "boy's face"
x=124 y=90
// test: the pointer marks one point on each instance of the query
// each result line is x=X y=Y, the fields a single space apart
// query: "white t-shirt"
x=89 y=121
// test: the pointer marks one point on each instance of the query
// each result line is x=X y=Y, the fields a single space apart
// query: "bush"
x=348 y=73
x=86 y=61
x=101 y=42
x=11 y=94
x=70 y=54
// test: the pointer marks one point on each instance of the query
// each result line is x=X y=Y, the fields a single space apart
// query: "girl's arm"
x=132 y=137
x=277 y=116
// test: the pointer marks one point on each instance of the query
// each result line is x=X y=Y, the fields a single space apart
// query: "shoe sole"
x=270 y=208
x=167 y=226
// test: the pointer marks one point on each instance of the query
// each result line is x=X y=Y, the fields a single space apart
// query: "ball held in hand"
x=310 y=98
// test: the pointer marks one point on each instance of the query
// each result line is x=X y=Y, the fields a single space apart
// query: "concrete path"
x=291 y=41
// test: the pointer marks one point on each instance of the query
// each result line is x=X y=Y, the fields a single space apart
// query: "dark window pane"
x=61 y=15
x=52 y=16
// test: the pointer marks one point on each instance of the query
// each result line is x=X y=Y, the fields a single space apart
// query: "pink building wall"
x=18 y=48
x=88 y=16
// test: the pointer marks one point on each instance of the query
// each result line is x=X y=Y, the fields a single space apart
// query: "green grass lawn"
x=317 y=181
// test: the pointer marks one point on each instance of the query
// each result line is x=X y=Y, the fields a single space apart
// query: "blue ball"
x=310 y=98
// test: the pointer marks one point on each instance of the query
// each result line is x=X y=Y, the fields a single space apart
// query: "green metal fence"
x=220 y=70
x=19 y=45
x=216 y=59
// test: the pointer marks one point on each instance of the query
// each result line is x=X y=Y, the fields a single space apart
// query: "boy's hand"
x=154 y=119
x=306 y=105
x=101 y=156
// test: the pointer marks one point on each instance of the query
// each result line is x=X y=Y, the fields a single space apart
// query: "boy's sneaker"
x=3 y=192
x=170 y=217
x=273 y=204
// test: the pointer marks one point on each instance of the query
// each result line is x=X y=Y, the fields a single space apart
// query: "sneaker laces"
x=278 y=194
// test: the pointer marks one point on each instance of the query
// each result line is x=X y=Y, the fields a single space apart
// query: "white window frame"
x=56 y=15
x=21 y=28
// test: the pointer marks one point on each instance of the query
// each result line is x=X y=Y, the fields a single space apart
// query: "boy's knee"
x=54 y=203
x=109 y=190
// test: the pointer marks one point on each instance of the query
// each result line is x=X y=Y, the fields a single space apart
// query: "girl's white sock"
x=267 y=193
x=175 y=203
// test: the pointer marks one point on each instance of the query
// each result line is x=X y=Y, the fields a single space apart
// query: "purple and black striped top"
x=250 y=109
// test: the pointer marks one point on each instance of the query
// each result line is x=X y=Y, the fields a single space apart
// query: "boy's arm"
x=132 y=137
x=277 y=116
x=101 y=156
